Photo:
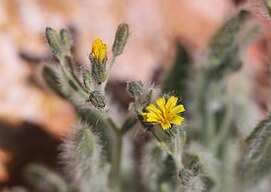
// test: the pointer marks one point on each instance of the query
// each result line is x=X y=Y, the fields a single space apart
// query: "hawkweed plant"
x=195 y=121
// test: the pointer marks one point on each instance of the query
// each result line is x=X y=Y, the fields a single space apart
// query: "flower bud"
x=54 y=42
x=98 y=58
x=186 y=177
x=87 y=80
x=66 y=41
x=98 y=72
x=98 y=52
x=120 y=39
x=134 y=88
x=97 y=99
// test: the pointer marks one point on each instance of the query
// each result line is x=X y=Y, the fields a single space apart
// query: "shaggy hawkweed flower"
x=165 y=114
x=98 y=50
x=98 y=59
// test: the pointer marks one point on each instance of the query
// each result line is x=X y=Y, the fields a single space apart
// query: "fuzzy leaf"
x=159 y=170
x=224 y=40
x=128 y=124
x=98 y=126
x=54 y=42
x=66 y=41
x=52 y=80
x=178 y=78
x=83 y=160
x=228 y=64
x=194 y=165
x=257 y=160
x=86 y=146
x=45 y=180
x=222 y=60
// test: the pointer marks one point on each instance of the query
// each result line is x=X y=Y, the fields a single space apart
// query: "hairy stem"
x=178 y=151
x=116 y=162
x=117 y=150
x=103 y=85
x=116 y=157
x=70 y=76
x=162 y=144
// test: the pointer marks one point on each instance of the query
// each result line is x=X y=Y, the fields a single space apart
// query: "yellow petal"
x=178 y=109
x=152 y=108
x=153 y=115
x=102 y=53
x=152 y=119
x=171 y=102
x=166 y=125
x=145 y=116
x=161 y=104
x=98 y=50
x=177 y=120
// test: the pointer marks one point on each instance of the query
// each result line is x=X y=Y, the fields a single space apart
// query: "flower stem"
x=162 y=144
x=178 y=150
x=116 y=162
x=67 y=70
x=68 y=78
x=117 y=150
x=116 y=156
x=103 y=85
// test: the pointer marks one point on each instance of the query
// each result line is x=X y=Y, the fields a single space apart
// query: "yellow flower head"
x=98 y=50
x=165 y=114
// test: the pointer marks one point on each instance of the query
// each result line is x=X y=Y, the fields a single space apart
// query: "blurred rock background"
x=33 y=119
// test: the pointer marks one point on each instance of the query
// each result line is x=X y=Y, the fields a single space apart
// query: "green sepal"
x=98 y=72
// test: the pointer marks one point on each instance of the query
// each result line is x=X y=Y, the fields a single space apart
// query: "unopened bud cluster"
x=92 y=88
x=60 y=43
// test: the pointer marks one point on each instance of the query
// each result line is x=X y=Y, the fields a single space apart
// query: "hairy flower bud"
x=98 y=73
x=120 y=39
x=98 y=58
x=98 y=52
x=66 y=41
x=97 y=99
x=186 y=177
x=134 y=88
x=87 y=80
x=54 y=42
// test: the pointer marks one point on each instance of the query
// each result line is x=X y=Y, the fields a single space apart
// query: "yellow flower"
x=98 y=50
x=165 y=114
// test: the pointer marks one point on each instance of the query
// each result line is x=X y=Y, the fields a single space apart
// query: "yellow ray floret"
x=165 y=113
x=98 y=50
